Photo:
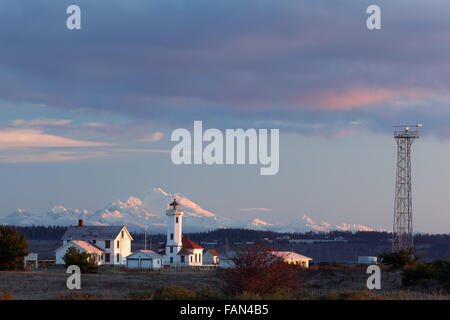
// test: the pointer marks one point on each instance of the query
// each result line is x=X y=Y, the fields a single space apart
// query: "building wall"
x=209 y=258
x=124 y=248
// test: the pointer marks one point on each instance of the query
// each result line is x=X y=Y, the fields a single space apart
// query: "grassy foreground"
x=325 y=283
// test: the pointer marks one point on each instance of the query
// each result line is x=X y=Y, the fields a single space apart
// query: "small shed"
x=367 y=260
x=211 y=257
x=31 y=260
x=144 y=259
x=293 y=258
x=227 y=260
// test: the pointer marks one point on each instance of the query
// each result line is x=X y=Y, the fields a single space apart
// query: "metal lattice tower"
x=404 y=135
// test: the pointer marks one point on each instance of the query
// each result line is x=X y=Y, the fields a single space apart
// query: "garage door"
x=146 y=263
x=132 y=263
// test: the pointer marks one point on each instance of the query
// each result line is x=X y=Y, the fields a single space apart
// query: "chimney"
x=80 y=222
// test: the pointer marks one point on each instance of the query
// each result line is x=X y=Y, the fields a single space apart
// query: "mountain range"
x=137 y=214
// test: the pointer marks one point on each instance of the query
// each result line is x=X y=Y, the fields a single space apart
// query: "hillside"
x=347 y=248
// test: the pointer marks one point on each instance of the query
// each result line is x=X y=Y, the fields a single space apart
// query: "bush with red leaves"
x=256 y=270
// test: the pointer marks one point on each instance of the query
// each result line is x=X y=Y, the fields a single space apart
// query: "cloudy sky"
x=86 y=115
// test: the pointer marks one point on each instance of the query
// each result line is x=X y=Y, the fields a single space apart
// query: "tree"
x=400 y=259
x=13 y=248
x=257 y=271
x=84 y=260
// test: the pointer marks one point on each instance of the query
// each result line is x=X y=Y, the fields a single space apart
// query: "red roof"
x=214 y=252
x=184 y=251
x=189 y=244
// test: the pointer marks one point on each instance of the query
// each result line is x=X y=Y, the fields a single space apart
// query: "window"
x=122 y=233
x=107 y=244
x=176 y=220
x=171 y=236
x=94 y=241
x=182 y=259
x=191 y=258
x=118 y=257
x=118 y=244
x=171 y=249
x=107 y=257
x=171 y=259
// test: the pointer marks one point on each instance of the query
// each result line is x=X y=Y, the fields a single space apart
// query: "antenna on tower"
x=404 y=135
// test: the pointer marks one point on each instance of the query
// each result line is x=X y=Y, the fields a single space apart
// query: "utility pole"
x=145 y=238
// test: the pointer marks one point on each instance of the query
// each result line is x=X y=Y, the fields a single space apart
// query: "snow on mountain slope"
x=149 y=212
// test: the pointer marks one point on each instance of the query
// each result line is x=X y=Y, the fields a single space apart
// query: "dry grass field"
x=317 y=283
x=51 y=285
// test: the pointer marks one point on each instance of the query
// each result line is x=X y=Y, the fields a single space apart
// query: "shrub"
x=6 y=296
x=209 y=294
x=84 y=260
x=12 y=248
x=438 y=270
x=400 y=259
x=257 y=271
x=173 y=293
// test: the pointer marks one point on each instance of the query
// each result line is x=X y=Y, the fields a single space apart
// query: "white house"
x=83 y=246
x=293 y=258
x=367 y=260
x=211 y=257
x=145 y=259
x=179 y=250
x=111 y=244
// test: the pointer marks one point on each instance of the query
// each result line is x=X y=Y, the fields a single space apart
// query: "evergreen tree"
x=84 y=260
x=13 y=248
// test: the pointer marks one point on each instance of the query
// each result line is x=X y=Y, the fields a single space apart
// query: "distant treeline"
x=42 y=232
x=242 y=235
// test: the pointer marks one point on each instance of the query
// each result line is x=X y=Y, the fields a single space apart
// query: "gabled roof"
x=290 y=255
x=213 y=252
x=189 y=244
x=93 y=233
x=148 y=253
x=89 y=247
x=184 y=252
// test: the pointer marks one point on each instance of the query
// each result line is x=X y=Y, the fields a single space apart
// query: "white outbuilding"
x=227 y=260
x=144 y=259
x=293 y=258
x=367 y=260
x=211 y=257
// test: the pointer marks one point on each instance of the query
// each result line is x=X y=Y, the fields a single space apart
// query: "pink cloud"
x=41 y=122
x=156 y=136
x=33 y=138
x=361 y=97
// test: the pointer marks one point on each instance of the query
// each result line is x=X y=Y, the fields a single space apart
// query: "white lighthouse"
x=174 y=241
x=179 y=250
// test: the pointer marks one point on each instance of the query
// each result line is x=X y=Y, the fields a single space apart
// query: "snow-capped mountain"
x=149 y=212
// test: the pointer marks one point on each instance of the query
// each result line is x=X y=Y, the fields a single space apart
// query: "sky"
x=87 y=115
